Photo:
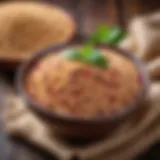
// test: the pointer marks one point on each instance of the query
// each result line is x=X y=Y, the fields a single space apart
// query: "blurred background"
x=88 y=15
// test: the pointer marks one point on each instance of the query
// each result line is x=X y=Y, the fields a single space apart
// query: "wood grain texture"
x=21 y=150
x=88 y=14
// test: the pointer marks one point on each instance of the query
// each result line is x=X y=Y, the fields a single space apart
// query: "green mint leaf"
x=100 y=34
x=87 y=50
x=105 y=35
x=102 y=62
x=73 y=55
x=98 y=59
x=115 y=36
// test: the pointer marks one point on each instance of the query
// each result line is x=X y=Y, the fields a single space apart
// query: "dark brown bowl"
x=91 y=128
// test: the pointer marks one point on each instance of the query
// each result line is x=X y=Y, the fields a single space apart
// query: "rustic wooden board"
x=21 y=150
x=88 y=13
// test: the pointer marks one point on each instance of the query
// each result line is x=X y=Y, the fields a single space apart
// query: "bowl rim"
x=31 y=103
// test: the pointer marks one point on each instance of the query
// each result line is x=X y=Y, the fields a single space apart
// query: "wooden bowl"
x=83 y=128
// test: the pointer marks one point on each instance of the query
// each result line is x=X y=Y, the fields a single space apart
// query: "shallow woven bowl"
x=80 y=128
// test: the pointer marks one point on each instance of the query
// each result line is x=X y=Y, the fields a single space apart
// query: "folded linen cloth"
x=143 y=41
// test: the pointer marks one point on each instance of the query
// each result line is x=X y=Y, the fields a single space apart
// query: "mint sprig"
x=89 y=55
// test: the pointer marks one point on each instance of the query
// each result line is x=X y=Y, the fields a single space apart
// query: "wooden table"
x=16 y=149
x=88 y=14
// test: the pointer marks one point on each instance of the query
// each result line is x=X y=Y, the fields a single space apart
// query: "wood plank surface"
x=88 y=14
x=21 y=150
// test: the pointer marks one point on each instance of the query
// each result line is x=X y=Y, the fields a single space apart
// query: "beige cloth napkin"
x=131 y=138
